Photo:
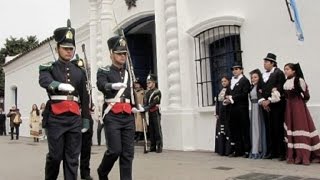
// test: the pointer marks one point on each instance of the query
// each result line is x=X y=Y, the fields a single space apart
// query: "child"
x=223 y=141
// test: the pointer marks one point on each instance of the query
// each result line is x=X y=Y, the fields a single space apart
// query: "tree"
x=12 y=47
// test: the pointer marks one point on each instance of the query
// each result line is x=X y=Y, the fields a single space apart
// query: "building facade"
x=189 y=45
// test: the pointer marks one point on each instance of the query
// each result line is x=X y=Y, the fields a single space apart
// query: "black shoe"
x=232 y=155
x=87 y=178
x=246 y=155
x=268 y=156
x=101 y=177
x=159 y=149
x=282 y=158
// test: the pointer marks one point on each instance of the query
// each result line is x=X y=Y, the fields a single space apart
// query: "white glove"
x=117 y=86
x=141 y=109
x=65 y=87
x=275 y=96
x=134 y=110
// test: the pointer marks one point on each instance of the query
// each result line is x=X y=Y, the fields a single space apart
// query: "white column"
x=107 y=22
x=93 y=34
x=172 y=46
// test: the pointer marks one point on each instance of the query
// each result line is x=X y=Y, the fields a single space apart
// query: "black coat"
x=65 y=72
x=240 y=92
x=276 y=80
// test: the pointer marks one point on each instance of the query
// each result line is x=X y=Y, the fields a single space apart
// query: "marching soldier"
x=115 y=83
x=65 y=83
x=151 y=105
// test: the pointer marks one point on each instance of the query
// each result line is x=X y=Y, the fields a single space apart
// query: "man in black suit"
x=239 y=118
x=273 y=79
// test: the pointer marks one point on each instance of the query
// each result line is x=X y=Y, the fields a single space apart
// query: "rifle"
x=88 y=75
x=129 y=66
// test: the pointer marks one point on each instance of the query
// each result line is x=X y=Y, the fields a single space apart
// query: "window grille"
x=216 y=49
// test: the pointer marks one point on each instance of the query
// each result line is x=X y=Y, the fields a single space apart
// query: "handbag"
x=17 y=119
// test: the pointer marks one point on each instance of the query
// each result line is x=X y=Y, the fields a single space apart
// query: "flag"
x=297 y=20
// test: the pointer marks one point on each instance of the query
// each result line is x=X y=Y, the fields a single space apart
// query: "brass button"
x=68 y=80
x=68 y=74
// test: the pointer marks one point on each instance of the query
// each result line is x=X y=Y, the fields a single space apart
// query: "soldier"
x=85 y=154
x=65 y=83
x=114 y=82
x=151 y=105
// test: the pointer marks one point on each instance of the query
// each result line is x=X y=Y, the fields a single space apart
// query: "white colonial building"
x=189 y=45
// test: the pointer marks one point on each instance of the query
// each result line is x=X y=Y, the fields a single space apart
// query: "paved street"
x=24 y=160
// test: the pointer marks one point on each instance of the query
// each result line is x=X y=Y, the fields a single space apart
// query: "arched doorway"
x=142 y=45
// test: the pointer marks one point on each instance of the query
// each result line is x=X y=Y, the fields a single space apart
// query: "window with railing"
x=216 y=49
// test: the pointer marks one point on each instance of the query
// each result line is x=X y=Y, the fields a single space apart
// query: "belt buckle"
x=70 y=97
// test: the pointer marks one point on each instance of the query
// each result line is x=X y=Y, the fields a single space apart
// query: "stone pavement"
x=24 y=160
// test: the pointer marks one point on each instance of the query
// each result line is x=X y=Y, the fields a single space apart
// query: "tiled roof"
x=29 y=50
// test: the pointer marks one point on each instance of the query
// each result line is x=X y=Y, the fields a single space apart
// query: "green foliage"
x=12 y=47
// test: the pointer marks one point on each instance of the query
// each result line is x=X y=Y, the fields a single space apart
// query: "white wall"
x=266 y=28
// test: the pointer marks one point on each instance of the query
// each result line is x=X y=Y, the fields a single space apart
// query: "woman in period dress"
x=303 y=144
x=257 y=127
x=35 y=123
x=42 y=108
x=223 y=141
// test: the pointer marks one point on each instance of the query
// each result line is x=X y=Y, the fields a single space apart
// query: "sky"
x=22 y=18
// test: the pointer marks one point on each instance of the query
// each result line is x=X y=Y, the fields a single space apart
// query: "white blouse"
x=289 y=84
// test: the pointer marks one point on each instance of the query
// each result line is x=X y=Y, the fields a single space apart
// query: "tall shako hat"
x=152 y=77
x=65 y=36
x=117 y=44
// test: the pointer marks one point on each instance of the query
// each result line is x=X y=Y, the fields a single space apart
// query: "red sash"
x=65 y=106
x=121 y=107
x=153 y=109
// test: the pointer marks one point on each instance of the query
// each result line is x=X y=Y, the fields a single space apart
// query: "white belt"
x=117 y=100
x=65 y=98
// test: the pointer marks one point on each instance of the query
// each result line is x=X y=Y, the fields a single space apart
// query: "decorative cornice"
x=214 y=22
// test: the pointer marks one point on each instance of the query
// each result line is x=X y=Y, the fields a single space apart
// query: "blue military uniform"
x=64 y=110
x=118 y=120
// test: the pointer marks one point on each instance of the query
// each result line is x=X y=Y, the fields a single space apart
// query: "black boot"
x=159 y=148
x=101 y=177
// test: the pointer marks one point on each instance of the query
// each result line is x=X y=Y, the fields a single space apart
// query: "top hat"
x=65 y=36
x=271 y=57
x=236 y=65
x=152 y=77
x=117 y=44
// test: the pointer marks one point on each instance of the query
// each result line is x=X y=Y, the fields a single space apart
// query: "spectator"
x=15 y=120
x=35 y=123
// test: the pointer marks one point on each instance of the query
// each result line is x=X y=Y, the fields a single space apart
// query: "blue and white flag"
x=297 y=20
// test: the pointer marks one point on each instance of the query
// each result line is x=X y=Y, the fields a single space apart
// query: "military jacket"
x=108 y=75
x=152 y=100
x=54 y=73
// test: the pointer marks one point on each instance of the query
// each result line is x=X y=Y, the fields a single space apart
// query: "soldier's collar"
x=117 y=68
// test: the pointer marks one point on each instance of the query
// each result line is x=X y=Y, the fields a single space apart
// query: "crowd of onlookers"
x=14 y=115
x=279 y=124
